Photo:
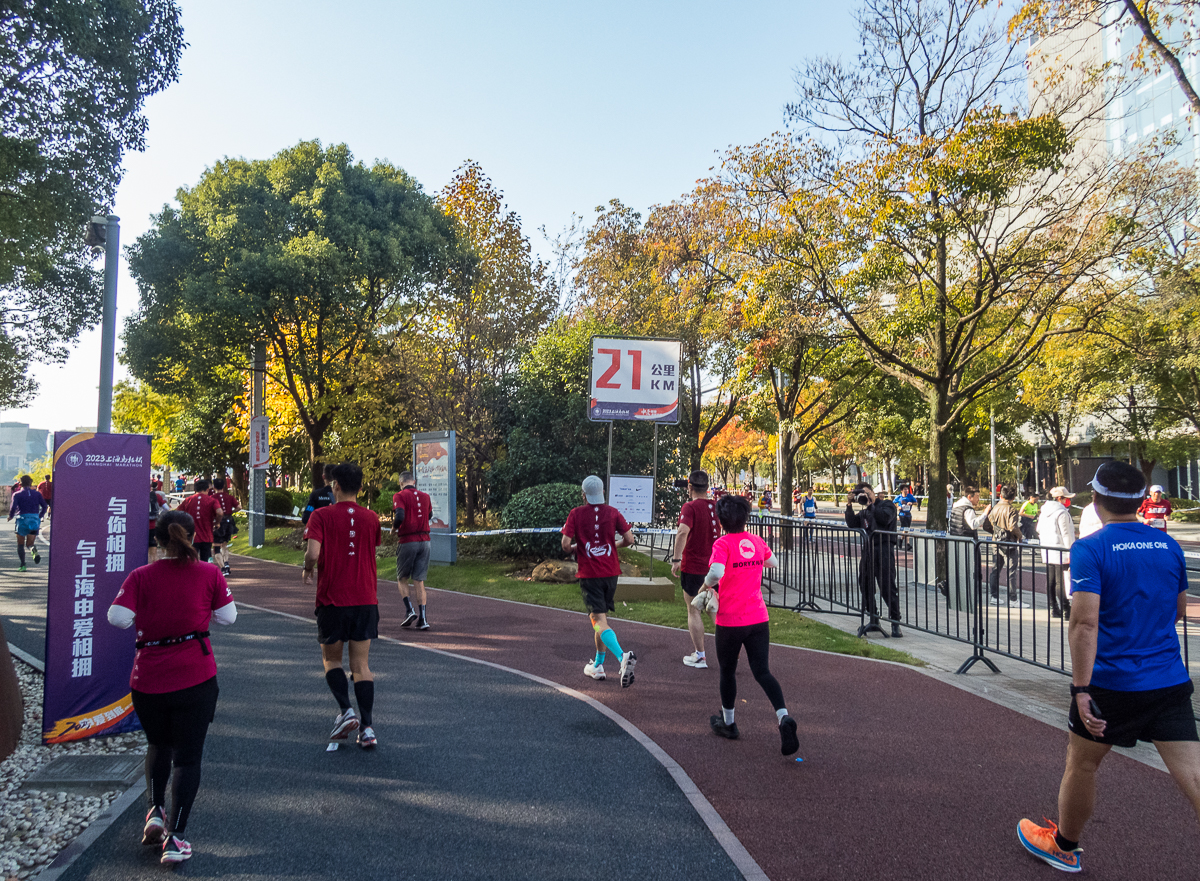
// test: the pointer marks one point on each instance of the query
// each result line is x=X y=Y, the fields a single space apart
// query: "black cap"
x=698 y=479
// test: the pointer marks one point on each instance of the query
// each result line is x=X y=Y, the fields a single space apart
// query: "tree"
x=474 y=325
x=1167 y=30
x=138 y=410
x=308 y=252
x=75 y=74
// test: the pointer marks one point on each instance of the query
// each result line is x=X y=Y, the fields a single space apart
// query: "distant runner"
x=319 y=497
x=46 y=488
x=27 y=506
x=206 y=513
x=410 y=520
x=224 y=531
x=698 y=529
x=1156 y=510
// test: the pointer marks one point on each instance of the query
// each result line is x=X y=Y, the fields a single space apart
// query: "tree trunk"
x=937 y=471
x=787 y=473
x=316 y=456
x=12 y=708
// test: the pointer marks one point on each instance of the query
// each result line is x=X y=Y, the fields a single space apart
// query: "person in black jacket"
x=878 y=518
x=319 y=497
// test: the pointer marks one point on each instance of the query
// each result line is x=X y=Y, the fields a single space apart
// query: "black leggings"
x=757 y=640
x=176 y=723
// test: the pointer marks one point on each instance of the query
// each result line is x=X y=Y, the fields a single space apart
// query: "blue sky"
x=565 y=105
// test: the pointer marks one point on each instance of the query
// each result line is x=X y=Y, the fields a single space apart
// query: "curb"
x=88 y=836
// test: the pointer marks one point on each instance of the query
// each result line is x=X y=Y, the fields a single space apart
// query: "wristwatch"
x=1080 y=689
x=673 y=560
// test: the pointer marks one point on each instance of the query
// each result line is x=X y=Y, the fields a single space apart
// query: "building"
x=20 y=447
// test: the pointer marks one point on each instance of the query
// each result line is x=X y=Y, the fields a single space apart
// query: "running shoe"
x=366 y=738
x=37 y=558
x=695 y=660
x=412 y=616
x=729 y=732
x=423 y=625
x=789 y=742
x=175 y=850
x=1017 y=604
x=155 y=829
x=21 y=568
x=596 y=671
x=225 y=571
x=1040 y=841
x=343 y=725
x=628 y=660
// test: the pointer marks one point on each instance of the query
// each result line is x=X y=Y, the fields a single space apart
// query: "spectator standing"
x=697 y=530
x=1089 y=521
x=320 y=497
x=1006 y=554
x=27 y=506
x=227 y=528
x=410 y=520
x=589 y=534
x=206 y=513
x=340 y=544
x=878 y=519
x=174 y=678
x=735 y=569
x=46 y=488
x=1029 y=515
x=1155 y=511
x=1128 y=679
x=920 y=491
x=158 y=507
x=1055 y=530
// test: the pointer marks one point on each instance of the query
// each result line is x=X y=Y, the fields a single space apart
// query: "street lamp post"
x=106 y=231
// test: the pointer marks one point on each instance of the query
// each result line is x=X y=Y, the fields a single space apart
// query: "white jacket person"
x=1056 y=530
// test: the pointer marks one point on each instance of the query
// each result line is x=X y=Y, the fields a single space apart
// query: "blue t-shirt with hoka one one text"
x=1139 y=573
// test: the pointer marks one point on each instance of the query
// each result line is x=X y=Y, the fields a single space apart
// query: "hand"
x=307 y=576
x=849 y=498
x=1094 y=726
x=676 y=568
x=700 y=599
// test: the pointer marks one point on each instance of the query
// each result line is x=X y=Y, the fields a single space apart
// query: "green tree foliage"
x=309 y=252
x=138 y=410
x=75 y=74
x=544 y=505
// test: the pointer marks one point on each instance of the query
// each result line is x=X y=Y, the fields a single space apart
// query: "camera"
x=681 y=483
x=863 y=499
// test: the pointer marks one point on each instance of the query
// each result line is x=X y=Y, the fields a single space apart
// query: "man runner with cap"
x=589 y=534
x=1128 y=680
x=698 y=529
x=341 y=543
x=1156 y=510
x=410 y=520
x=206 y=512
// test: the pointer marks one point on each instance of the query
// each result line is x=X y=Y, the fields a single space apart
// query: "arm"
x=627 y=540
x=681 y=537
x=716 y=571
x=772 y=562
x=1181 y=607
x=312 y=553
x=1081 y=635
x=227 y=614
x=120 y=616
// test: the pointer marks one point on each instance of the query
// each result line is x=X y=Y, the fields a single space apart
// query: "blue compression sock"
x=610 y=639
x=600 y=656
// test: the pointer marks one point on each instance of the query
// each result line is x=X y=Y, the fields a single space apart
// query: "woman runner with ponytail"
x=174 y=677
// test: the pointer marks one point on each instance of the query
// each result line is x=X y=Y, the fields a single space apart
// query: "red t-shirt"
x=1154 y=513
x=699 y=516
x=740 y=591
x=349 y=535
x=228 y=502
x=417 y=507
x=594 y=529
x=46 y=489
x=168 y=599
x=202 y=509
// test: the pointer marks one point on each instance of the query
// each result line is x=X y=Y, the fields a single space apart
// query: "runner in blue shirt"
x=1129 y=682
x=28 y=506
x=904 y=502
x=809 y=505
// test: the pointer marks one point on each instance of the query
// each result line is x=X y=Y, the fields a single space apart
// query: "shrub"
x=544 y=505
x=280 y=503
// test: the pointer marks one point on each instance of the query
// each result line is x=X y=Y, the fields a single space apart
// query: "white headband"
x=1112 y=494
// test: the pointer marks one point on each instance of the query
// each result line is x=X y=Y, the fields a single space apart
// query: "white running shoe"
x=344 y=724
x=596 y=671
x=175 y=850
x=695 y=660
x=627 y=662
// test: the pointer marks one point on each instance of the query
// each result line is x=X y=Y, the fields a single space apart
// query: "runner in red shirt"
x=227 y=528
x=206 y=513
x=1156 y=509
x=342 y=539
x=158 y=505
x=46 y=488
x=698 y=529
x=593 y=527
x=174 y=678
x=410 y=519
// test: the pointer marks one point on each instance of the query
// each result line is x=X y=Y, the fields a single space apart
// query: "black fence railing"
x=999 y=599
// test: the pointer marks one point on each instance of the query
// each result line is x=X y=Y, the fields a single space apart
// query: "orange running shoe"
x=1040 y=842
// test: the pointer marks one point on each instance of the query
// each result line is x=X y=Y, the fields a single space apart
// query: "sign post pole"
x=608 y=476
x=654 y=491
x=258 y=474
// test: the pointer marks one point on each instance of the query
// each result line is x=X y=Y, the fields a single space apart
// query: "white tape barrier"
x=529 y=531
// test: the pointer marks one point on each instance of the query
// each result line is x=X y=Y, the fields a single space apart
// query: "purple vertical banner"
x=98 y=536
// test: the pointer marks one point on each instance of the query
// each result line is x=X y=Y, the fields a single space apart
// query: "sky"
x=565 y=106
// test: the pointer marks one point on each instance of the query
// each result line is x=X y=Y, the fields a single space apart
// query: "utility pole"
x=258 y=476
x=992 y=487
x=106 y=231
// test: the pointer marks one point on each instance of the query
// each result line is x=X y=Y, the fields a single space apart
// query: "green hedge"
x=545 y=505
x=279 y=502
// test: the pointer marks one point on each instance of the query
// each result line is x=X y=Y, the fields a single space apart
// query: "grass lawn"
x=490 y=578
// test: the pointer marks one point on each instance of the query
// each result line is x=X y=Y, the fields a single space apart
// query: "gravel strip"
x=35 y=826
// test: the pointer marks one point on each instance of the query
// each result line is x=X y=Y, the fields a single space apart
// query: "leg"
x=156 y=725
x=866 y=585
x=335 y=676
x=695 y=624
x=21 y=549
x=1053 y=586
x=418 y=592
x=885 y=573
x=364 y=679
x=758 y=648
x=189 y=726
x=729 y=646
x=1077 y=792
x=1182 y=758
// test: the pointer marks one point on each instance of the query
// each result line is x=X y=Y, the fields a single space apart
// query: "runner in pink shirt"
x=735 y=569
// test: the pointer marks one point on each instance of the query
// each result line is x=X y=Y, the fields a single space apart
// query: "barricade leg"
x=978 y=630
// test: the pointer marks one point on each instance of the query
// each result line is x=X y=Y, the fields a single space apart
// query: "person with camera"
x=878 y=519
x=1128 y=678
x=1006 y=557
x=698 y=529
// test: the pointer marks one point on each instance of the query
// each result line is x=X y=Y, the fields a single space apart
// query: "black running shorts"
x=347 y=623
x=412 y=560
x=690 y=583
x=204 y=549
x=1157 y=714
x=598 y=594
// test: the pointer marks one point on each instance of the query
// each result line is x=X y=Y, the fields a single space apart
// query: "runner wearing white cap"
x=1155 y=510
